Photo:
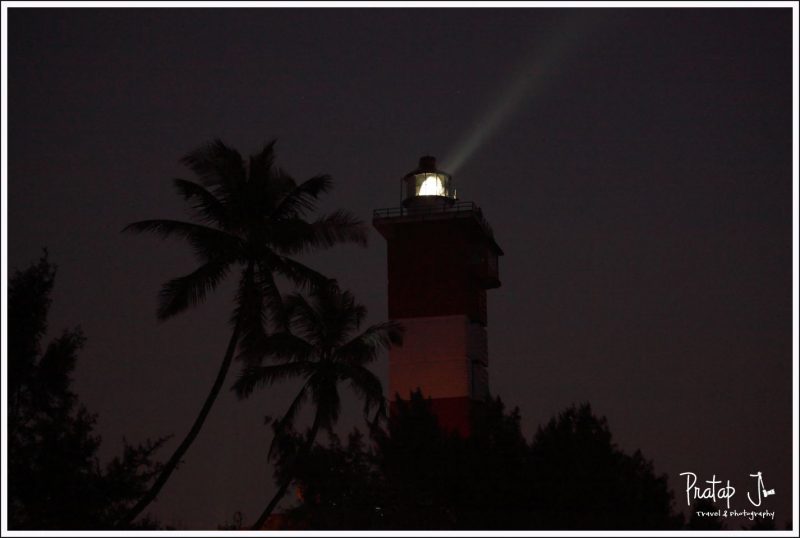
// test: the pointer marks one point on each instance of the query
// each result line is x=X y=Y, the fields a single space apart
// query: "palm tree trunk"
x=258 y=525
x=173 y=462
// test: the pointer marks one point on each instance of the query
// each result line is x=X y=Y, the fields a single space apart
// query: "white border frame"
x=398 y=4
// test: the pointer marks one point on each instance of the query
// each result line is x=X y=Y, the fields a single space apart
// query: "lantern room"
x=427 y=184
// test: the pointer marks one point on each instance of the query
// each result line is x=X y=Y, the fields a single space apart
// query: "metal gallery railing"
x=436 y=212
x=427 y=210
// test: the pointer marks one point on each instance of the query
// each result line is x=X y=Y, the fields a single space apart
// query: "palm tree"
x=322 y=352
x=249 y=218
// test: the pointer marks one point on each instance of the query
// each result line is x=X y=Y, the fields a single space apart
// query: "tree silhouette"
x=323 y=352
x=55 y=480
x=583 y=481
x=250 y=218
x=338 y=484
x=416 y=476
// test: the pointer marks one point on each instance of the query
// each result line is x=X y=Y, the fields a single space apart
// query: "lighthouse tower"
x=442 y=257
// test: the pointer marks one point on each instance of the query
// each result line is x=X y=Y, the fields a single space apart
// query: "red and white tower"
x=442 y=257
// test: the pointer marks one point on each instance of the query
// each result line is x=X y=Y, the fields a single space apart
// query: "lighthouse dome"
x=427 y=185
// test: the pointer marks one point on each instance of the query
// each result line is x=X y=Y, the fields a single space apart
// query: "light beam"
x=530 y=79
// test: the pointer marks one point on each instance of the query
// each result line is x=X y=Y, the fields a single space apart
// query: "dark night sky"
x=635 y=165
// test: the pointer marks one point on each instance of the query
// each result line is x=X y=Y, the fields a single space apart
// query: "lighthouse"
x=442 y=258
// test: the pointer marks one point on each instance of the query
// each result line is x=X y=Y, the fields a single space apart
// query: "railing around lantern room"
x=427 y=210
x=437 y=211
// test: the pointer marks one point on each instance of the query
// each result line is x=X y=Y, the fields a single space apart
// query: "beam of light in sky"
x=530 y=80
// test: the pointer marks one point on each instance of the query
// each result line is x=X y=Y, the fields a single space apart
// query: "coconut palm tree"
x=321 y=351
x=249 y=218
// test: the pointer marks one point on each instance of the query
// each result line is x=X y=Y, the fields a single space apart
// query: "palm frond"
x=278 y=346
x=278 y=316
x=180 y=293
x=365 y=347
x=252 y=376
x=262 y=162
x=338 y=227
x=346 y=315
x=288 y=418
x=222 y=170
x=366 y=385
x=207 y=207
x=300 y=274
x=303 y=197
x=304 y=318
x=208 y=243
x=295 y=235
x=338 y=312
x=267 y=185
x=215 y=164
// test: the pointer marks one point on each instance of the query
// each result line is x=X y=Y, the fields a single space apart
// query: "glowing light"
x=432 y=186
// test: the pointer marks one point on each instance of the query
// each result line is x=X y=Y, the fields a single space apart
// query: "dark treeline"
x=55 y=478
x=413 y=475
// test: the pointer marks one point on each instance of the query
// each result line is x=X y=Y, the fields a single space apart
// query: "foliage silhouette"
x=575 y=463
x=55 y=480
x=323 y=351
x=252 y=218
x=415 y=476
